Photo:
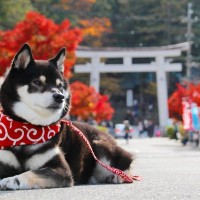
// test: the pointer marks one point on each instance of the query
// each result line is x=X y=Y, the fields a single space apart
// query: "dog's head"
x=35 y=91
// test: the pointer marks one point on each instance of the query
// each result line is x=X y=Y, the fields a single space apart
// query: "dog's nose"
x=58 y=97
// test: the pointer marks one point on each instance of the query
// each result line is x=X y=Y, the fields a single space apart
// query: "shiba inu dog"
x=35 y=92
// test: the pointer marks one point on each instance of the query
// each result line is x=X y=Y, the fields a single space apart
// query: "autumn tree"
x=190 y=91
x=12 y=12
x=103 y=110
x=86 y=103
x=44 y=36
x=81 y=14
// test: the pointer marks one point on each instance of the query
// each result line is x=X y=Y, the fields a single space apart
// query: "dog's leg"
x=112 y=156
x=42 y=178
x=102 y=175
x=52 y=173
x=10 y=166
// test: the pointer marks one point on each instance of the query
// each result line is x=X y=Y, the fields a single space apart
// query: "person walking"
x=126 y=131
x=150 y=129
x=140 y=128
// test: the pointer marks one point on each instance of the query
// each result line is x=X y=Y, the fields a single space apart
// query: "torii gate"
x=160 y=66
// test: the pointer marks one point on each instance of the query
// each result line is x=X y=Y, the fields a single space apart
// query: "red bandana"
x=14 y=133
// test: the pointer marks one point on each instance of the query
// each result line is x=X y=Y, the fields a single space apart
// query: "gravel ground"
x=169 y=171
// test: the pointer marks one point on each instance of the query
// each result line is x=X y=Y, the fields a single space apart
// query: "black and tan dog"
x=36 y=92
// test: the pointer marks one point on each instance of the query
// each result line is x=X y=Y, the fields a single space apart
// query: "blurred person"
x=129 y=116
x=140 y=128
x=126 y=131
x=91 y=121
x=150 y=129
x=79 y=119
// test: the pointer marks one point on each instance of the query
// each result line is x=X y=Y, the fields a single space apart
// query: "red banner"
x=187 y=116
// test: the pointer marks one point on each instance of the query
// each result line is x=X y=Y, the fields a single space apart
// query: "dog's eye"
x=61 y=85
x=37 y=82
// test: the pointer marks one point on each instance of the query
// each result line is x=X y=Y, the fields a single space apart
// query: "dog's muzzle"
x=58 y=98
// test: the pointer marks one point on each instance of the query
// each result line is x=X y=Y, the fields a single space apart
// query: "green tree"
x=12 y=11
x=147 y=22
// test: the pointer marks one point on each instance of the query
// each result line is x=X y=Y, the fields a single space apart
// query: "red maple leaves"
x=44 y=36
x=189 y=90
x=86 y=103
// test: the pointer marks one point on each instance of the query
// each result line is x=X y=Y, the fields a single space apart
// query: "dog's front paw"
x=11 y=183
x=114 y=179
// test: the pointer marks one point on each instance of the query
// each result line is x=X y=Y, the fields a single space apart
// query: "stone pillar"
x=127 y=61
x=162 y=91
x=129 y=98
x=95 y=74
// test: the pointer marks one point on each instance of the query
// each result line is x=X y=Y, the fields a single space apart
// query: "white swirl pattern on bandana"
x=14 y=133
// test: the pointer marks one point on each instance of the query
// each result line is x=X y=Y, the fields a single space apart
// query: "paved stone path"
x=169 y=171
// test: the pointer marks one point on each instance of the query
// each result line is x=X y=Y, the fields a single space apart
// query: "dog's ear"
x=23 y=57
x=59 y=59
